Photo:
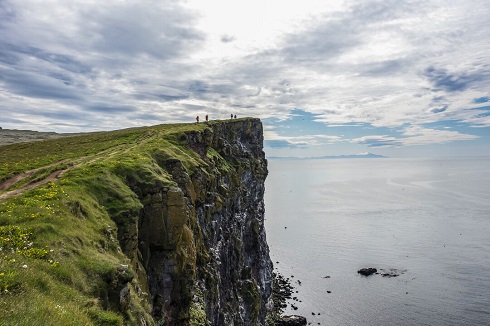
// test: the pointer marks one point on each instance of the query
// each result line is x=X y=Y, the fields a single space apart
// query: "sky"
x=401 y=78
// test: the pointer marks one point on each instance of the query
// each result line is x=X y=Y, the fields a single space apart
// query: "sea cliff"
x=161 y=225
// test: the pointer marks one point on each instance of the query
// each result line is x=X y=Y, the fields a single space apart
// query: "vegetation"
x=60 y=259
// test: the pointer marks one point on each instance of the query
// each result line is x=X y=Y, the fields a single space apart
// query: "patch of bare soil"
x=6 y=184
x=53 y=176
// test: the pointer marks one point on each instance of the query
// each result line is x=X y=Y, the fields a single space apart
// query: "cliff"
x=151 y=226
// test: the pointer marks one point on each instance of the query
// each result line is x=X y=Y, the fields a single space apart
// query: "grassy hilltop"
x=60 y=257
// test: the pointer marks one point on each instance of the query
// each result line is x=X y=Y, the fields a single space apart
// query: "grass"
x=59 y=252
x=21 y=157
x=60 y=258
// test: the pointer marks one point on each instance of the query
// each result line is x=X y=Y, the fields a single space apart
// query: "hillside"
x=156 y=225
x=8 y=136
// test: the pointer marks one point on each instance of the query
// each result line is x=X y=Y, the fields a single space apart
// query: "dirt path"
x=4 y=185
x=53 y=176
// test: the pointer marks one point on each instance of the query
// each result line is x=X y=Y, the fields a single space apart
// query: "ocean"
x=427 y=219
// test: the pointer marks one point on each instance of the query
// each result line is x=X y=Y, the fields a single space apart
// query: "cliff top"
x=24 y=150
x=60 y=258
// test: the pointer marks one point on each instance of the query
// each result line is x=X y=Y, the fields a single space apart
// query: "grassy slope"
x=59 y=251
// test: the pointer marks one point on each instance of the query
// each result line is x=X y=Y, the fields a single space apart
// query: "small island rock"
x=292 y=320
x=367 y=271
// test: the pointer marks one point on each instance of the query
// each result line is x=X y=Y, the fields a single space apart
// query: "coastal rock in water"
x=292 y=320
x=367 y=271
x=392 y=272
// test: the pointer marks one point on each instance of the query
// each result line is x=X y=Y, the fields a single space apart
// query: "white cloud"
x=310 y=140
x=414 y=135
x=417 y=135
x=382 y=63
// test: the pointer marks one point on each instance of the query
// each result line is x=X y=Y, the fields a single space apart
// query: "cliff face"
x=198 y=243
x=160 y=225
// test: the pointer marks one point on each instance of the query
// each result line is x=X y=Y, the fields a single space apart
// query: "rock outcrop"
x=367 y=271
x=292 y=320
x=159 y=225
x=197 y=244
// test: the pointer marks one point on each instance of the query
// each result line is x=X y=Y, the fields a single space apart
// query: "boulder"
x=367 y=271
x=292 y=320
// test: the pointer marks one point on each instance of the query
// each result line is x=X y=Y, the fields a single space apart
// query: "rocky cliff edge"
x=198 y=243
x=160 y=225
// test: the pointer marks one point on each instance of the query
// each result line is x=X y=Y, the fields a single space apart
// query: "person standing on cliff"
x=235 y=116
x=206 y=118
x=197 y=119
x=231 y=116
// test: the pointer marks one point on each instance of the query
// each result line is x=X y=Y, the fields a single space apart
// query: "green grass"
x=60 y=257
x=21 y=157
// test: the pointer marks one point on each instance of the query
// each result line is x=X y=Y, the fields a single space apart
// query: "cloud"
x=478 y=117
x=274 y=140
x=371 y=66
x=380 y=63
x=377 y=141
x=283 y=144
x=160 y=29
x=107 y=57
x=414 y=135
x=227 y=38
x=35 y=85
x=366 y=64
x=439 y=109
x=452 y=82
x=110 y=109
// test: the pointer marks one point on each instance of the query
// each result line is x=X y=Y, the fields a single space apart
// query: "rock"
x=203 y=232
x=367 y=271
x=392 y=272
x=292 y=320
x=124 y=297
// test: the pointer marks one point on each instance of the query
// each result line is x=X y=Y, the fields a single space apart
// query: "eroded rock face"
x=199 y=247
x=292 y=320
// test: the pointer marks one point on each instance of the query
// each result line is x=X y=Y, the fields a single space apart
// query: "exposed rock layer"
x=198 y=243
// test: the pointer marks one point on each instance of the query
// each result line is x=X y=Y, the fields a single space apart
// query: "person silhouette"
x=197 y=119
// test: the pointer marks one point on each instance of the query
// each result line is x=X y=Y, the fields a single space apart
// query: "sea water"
x=427 y=218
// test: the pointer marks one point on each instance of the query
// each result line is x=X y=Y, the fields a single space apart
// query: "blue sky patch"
x=481 y=99
x=304 y=123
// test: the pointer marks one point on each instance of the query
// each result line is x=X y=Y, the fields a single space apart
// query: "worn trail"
x=4 y=185
x=9 y=183
x=53 y=176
